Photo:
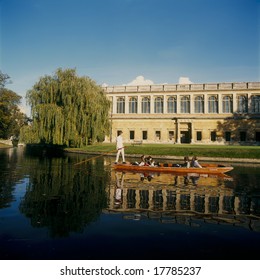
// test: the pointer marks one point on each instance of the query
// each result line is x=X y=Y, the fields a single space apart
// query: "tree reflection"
x=9 y=175
x=64 y=198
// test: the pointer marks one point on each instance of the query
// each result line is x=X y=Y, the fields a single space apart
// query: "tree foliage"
x=67 y=110
x=11 y=118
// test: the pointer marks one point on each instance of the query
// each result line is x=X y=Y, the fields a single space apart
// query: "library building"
x=215 y=113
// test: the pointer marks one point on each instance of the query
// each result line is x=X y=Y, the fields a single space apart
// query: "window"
x=158 y=105
x=198 y=104
x=132 y=134
x=213 y=104
x=199 y=135
x=213 y=136
x=146 y=105
x=133 y=105
x=227 y=104
x=185 y=104
x=171 y=135
x=145 y=135
x=171 y=105
x=242 y=136
x=228 y=136
x=242 y=104
x=256 y=104
x=158 y=135
x=120 y=106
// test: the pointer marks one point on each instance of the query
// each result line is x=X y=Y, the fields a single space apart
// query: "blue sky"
x=114 y=41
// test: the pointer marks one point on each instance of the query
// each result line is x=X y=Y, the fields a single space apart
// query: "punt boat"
x=207 y=168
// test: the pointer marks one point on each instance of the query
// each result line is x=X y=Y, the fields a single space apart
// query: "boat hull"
x=206 y=169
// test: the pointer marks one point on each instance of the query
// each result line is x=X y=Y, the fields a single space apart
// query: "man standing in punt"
x=120 y=147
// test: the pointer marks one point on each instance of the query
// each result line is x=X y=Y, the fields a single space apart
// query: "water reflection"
x=173 y=199
x=53 y=209
x=58 y=196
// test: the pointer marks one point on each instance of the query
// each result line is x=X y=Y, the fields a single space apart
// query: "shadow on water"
x=51 y=208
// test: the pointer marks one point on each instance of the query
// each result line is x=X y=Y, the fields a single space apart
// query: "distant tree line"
x=11 y=117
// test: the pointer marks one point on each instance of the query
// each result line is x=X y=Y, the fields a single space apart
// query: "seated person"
x=195 y=163
x=186 y=162
x=149 y=160
x=143 y=161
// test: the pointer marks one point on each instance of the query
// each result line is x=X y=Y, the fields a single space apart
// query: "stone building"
x=216 y=113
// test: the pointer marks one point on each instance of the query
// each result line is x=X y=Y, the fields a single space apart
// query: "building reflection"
x=168 y=197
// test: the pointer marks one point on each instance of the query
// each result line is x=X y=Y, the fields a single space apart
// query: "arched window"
x=146 y=105
x=213 y=104
x=120 y=105
x=133 y=105
x=198 y=104
x=185 y=104
x=158 y=105
x=255 y=104
x=171 y=105
x=227 y=104
x=242 y=106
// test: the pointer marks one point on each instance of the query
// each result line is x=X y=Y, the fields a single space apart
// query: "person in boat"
x=150 y=161
x=186 y=162
x=143 y=161
x=195 y=162
x=120 y=147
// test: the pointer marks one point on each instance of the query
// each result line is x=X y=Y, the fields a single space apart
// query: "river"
x=51 y=208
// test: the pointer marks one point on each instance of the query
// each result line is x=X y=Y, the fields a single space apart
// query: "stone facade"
x=221 y=113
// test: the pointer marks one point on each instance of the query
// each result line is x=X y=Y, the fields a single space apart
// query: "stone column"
x=139 y=104
x=249 y=103
x=114 y=98
x=164 y=104
x=191 y=104
x=177 y=134
x=152 y=104
x=178 y=104
x=126 y=104
x=220 y=111
x=234 y=102
x=191 y=132
x=206 y=103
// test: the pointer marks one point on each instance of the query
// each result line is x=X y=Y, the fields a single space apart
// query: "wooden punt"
x=206 y=168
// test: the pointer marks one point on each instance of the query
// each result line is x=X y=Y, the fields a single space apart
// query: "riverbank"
x=229 y=154
x=239 y=154
x=4 y=146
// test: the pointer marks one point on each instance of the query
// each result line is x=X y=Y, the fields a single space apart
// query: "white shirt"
x=119 y=142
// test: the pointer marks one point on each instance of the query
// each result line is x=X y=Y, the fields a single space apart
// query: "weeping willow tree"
x=67 y=110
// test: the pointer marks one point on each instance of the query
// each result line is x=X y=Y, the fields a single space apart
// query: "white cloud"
x=140 y=81
x=185 y=80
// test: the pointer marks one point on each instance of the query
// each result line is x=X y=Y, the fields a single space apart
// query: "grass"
x=179 y=150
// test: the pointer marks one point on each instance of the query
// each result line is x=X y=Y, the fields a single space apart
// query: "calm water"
x=53 y=209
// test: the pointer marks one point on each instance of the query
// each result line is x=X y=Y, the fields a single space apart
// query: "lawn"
x=180 y=150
